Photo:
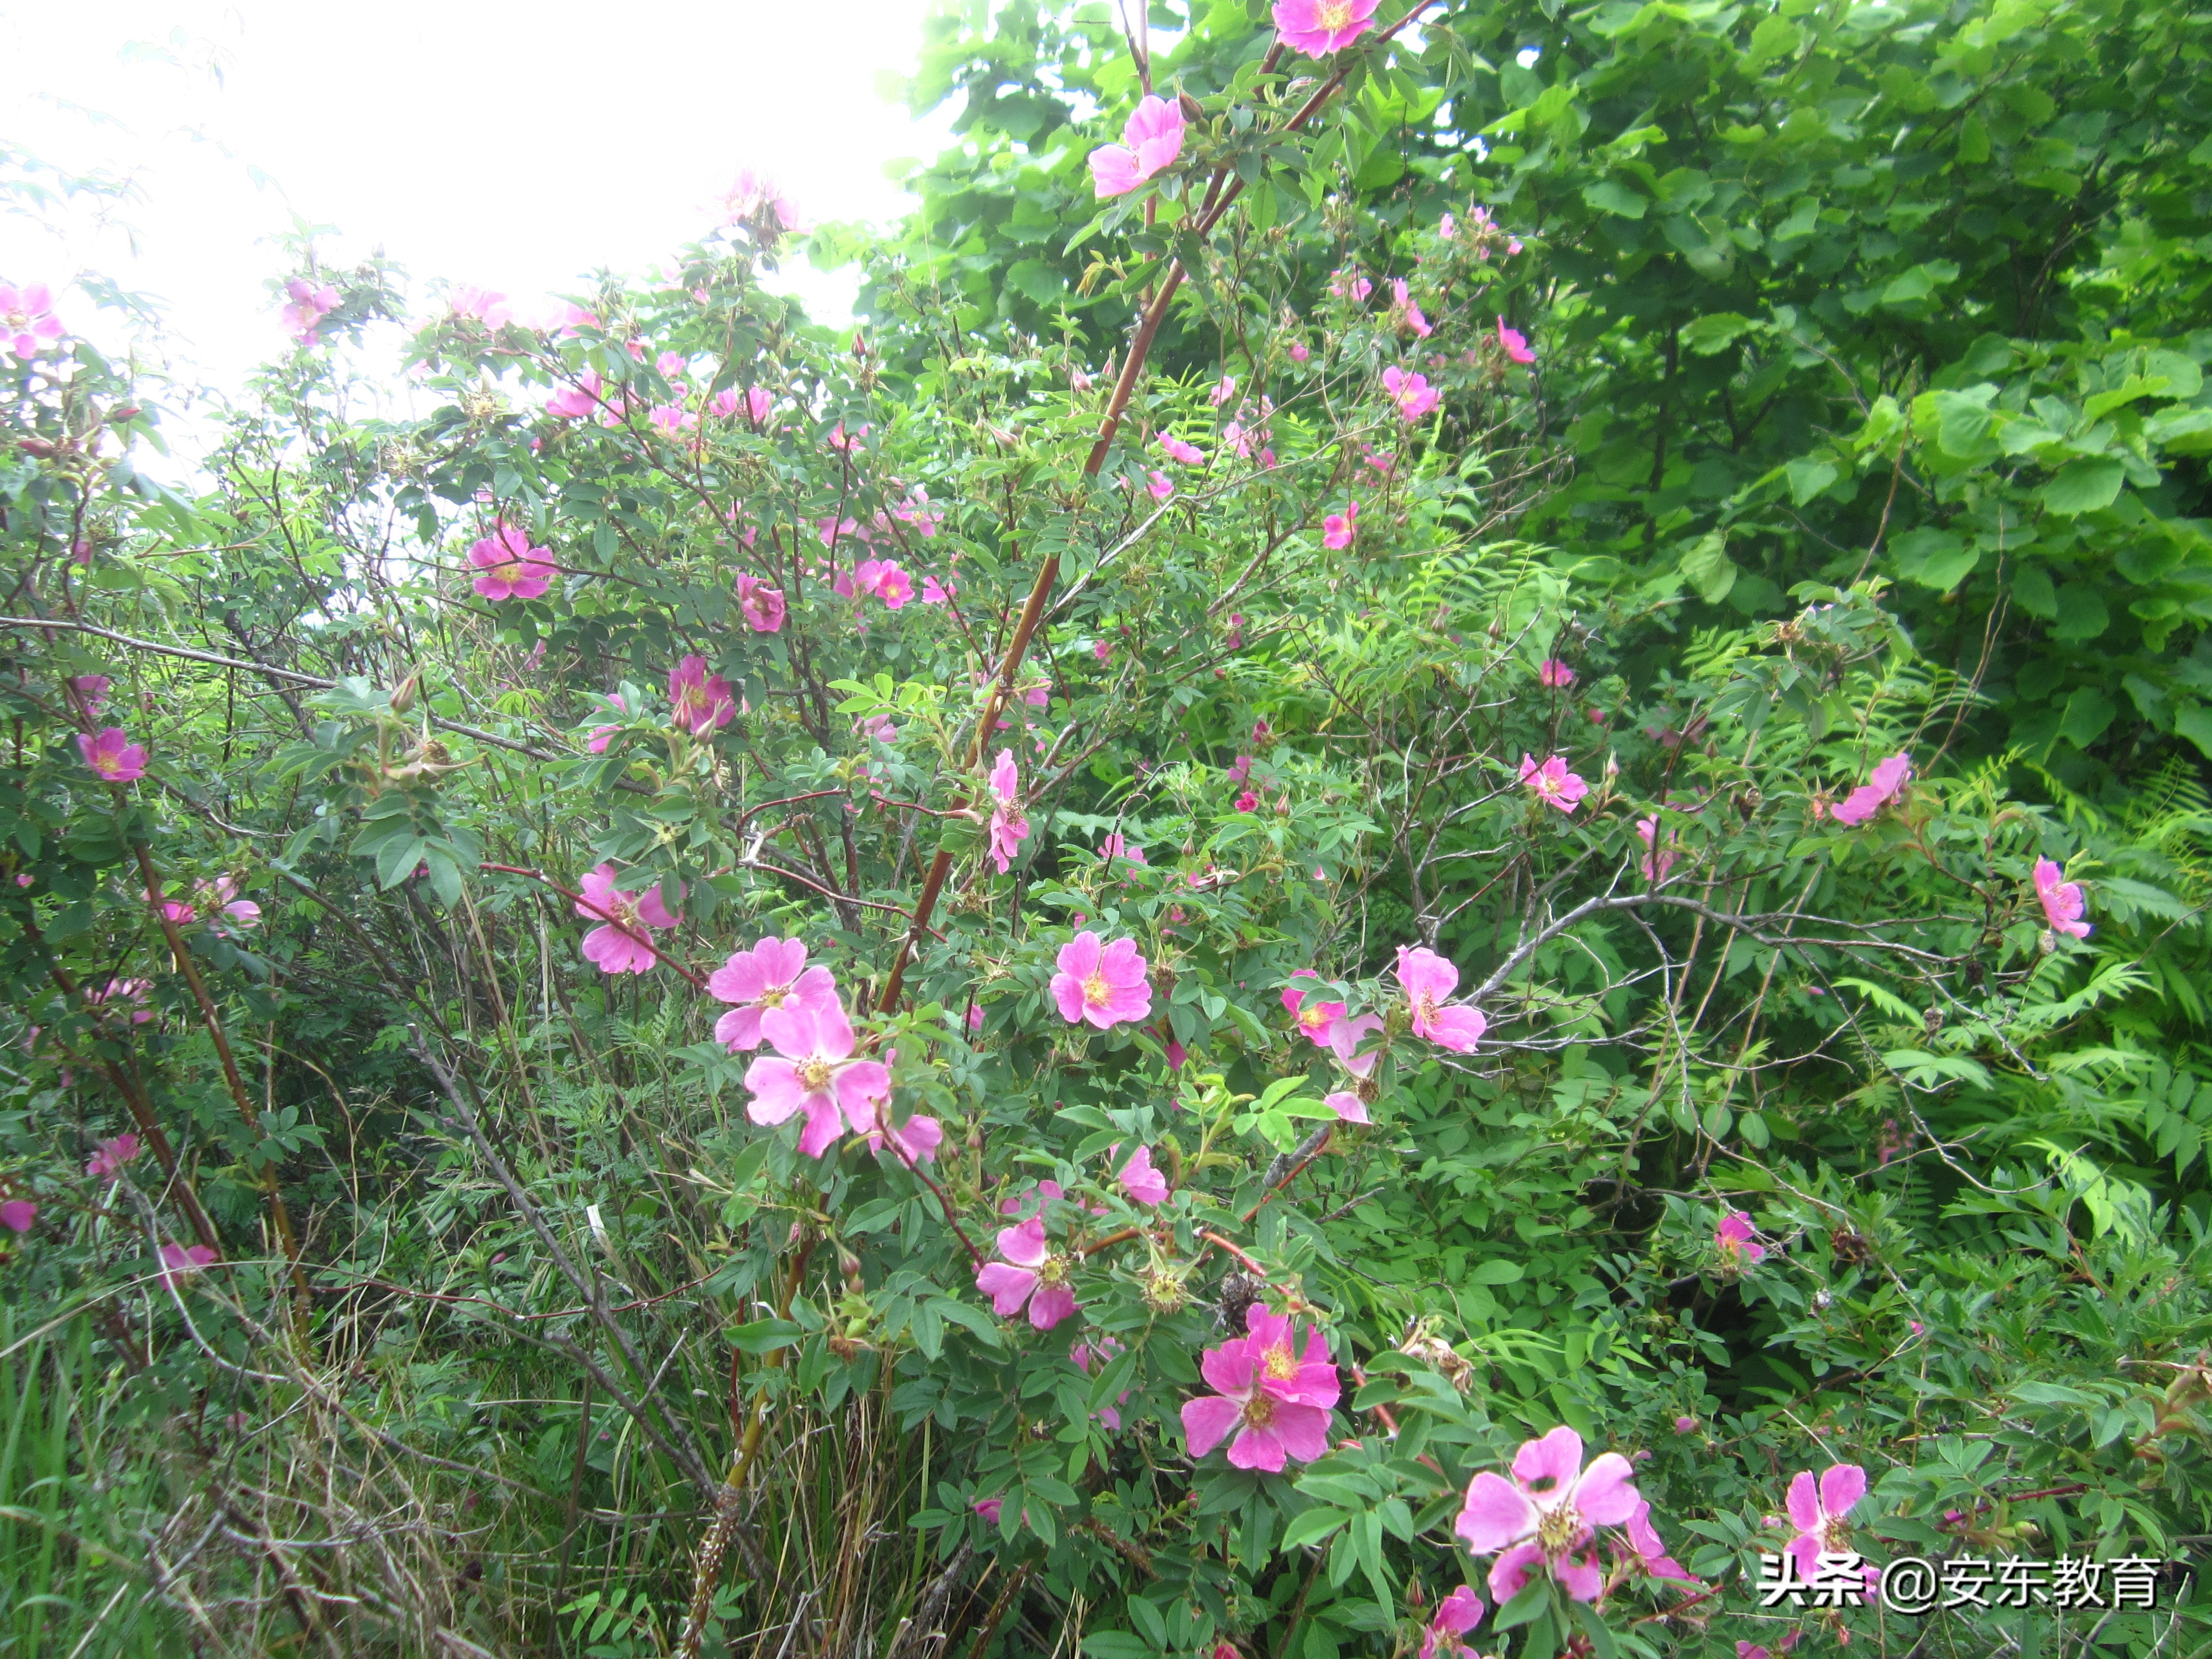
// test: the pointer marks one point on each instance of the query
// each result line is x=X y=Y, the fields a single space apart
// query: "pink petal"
x=1546 y=1468
x=1024 y=1245
x=1604 y=1495
x=1230 y=1369
x=739 y=1029
x=1007 y=1287
x=1497 y=1513
x=823 y=1126
x=1805 y=1503
x=1457 y=1029
x=1208 y=1421
x=1067 y=992
x=1051 y=1305
x=1257 y=1447
x=1511 y=1570
x=1841 y=1487
x=1581 y=1577
x=1347 y=1106
x=1302 y=1430
x=859 y=1086
x=775 y=1091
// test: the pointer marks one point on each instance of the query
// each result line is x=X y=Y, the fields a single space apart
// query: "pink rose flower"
x=1347 y=1106
x=1737 y=1240
x=1404 y=313
x=1317 y=27
x=1549 y=1509
x=1273 y=1396
x=621 y=945
x=1413 y=393
x=1104 y=984
x=1247 y=802
x=1553 y=783
x=916 y=1141
x=699 y=702
x=509 y=564
x=1884 y=787
x=181 y=1261
x=486 y=307
x=1178 y=451
x=1552 y=671
x=128 y=994
x=989 y=1509
x=1350 y=285
x=1514 y=344
x=1140 y=1180
x=1821 y=1513
x=1339 y=528
x=109 y=1155
x=576 y=402
x=773 y=974
x=1159 y=485
x=1031 y=1274
x=2063 y=905
x=761 y=606
x=111 y=753
x=1655 y=863
x=1115 y=846
x=1428 y=979
x=93 y=690
x=28 y=323
x=1456 y=1614
x=1008 y=828
x=1151 y=139
x=1650 y=1549
x=18 y=1214
x=813 y=1072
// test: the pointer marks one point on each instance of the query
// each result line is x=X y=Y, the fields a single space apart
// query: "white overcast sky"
x=516 y=146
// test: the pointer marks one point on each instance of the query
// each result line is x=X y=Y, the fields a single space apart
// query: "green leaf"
x=1807 y=478
x=1709 y=335
x=1609 y=196
x=1497 y=1271
x=1933 y=558
x=765 y=1336
x=2088 y=485
x=1707 y=568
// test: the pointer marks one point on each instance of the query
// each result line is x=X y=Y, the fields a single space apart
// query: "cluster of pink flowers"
x=879 y=578
x=1886 y=784
x=109 y=1155
x=1405 y=314
x=1100 y=984
x=2062 y=901
x=699 y=702
x=1151 y=140
x=109 y=752
x=1030 y=1274
x=1182 y=453
x=509 y=567
x=1552 y=783
x=621 y=944
x=303 y=318
x=1274 y=1393
x=28 y=323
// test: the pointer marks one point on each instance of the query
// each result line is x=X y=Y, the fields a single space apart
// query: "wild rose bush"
x=1230 y=1055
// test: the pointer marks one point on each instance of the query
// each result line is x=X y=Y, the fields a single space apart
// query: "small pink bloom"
x=1552 y=671
x=989 y=1509
x=1821 y=1513
x=773 y=974
x=1300 y=352
x=28 y=323
x=974 y=1018
x=754 y=199
x=1247 y=802
x=762 y=606
x=1178 y=451
x=1031 y=1275
x=1113 y=846
x=1151 y=139
x=620 y=945
x=1428 y=979
x=1350 y=285
x=92 y=689
x=1104 y=984
x=813 y=1071
x=1514 y=344
x=699 y=702
x=182 y=1260
x=2062 y=901
x=109 y=1155
x=510 y=565
x=1654 y=864
x=1413 y=393
x=1553 y=783
x=1140 y=1180
x=1685 y=1425
x=576 y=402
x=1447 y=227
x=1456 y=1614
x=1885 y=785
x=1737 y=1240
x=1404 y=313
x=1158 y=484
x=1548 y=1510
x=1339 y=528
x=1275 y=1396
x=18 y=1214
x=128 y=994
x=1317 y=27
x=1102 y=649
x=916 y=1141
x=111 y=753
x=1008 y=828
